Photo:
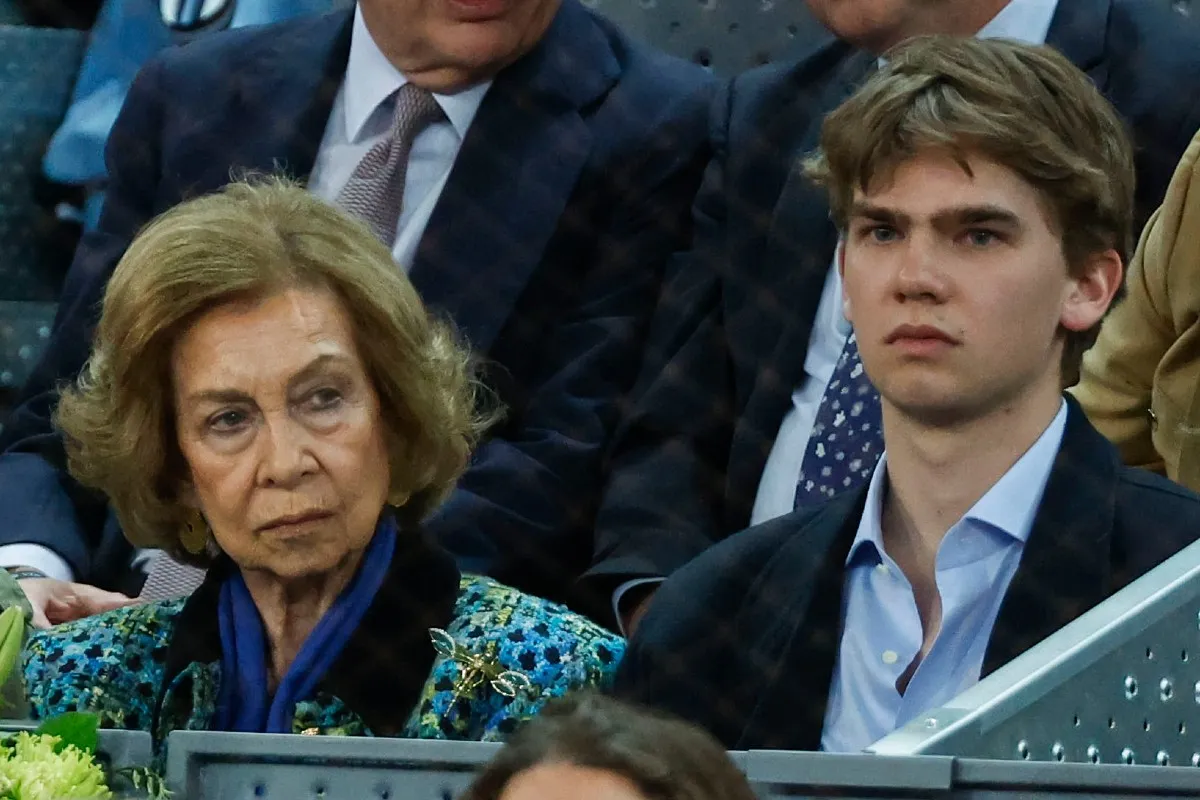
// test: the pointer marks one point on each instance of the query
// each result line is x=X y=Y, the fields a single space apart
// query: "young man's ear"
x=840 y=257
x=1091 y=290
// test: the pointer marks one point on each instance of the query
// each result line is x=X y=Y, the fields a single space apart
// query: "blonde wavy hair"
x=253 y=239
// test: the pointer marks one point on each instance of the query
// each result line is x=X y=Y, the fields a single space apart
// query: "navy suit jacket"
x=546 y=247
x=727 y=347
x=744 y=639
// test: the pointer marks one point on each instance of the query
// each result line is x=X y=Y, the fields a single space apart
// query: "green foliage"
x=74 y=729
x=12 y=637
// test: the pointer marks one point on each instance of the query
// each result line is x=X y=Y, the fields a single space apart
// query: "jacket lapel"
x=1067 y=565
x=384 y=668
x=285 y=95
x=794 y=618
x=1078 y=30
x=797 y=259
x=510 y=184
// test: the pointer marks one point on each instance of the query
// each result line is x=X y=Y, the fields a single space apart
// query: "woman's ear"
x=187 y=497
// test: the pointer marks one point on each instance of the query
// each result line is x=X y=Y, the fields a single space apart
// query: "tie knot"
x=415 y=108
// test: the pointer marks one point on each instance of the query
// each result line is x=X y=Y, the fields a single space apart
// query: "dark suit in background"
x=728 y=345
x=570 y=191
x=744 y=639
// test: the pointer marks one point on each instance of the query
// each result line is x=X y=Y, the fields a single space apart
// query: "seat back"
x=37 y=71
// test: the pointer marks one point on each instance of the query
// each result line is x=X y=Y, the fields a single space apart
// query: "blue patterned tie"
x=847 y=438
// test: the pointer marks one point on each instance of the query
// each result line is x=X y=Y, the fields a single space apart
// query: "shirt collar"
x=371 y=79
x=1009 y=506
x=1024 y=20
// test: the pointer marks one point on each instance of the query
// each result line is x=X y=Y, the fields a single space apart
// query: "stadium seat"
x=37 y=70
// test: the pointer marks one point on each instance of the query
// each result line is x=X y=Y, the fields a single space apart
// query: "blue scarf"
x=244 y=703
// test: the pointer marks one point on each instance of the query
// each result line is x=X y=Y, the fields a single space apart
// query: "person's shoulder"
x=232 y=50
x=736 y=561
x=529 y=633
x=1140 y=489
x=799 y=78
x=1133 y=16
x=508 y=654
x=1154 y=518
x=720 y=583
x=657 y=70
x=1150 y=45
x=111 y=664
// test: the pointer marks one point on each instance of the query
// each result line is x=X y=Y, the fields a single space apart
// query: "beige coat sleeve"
x=1139 y=383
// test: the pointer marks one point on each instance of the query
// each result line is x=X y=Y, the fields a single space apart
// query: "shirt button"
x=882 y=569
x=890 y=656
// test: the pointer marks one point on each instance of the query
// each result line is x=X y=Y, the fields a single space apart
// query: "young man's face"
x=958 y=289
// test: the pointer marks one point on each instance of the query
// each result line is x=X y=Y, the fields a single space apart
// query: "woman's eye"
x=324 y=399
x=227 y=421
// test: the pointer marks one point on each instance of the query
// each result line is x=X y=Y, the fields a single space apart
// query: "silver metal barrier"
x=1120 y=685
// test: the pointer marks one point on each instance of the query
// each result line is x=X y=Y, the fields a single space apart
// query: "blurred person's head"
x=590 y=747
x=263 y=374
x=878 y=25
x=449 y=45
x=985 y=194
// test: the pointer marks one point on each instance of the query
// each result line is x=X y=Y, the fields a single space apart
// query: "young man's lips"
x=919 y=333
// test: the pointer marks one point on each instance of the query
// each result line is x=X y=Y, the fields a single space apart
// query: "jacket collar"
x=1079 y=30
x=391 y=647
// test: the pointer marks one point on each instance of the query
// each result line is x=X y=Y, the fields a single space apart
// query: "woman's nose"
x=287 y=456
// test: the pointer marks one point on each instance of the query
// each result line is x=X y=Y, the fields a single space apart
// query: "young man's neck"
x=935 y=474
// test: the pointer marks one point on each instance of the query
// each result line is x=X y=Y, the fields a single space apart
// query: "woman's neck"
x=291 y=608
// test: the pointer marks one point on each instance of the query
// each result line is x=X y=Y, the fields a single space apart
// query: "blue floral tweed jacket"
x=118 y=665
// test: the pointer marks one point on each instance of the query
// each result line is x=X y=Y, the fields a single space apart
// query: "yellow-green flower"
x=30 y=769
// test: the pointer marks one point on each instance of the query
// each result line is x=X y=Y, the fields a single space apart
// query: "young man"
x=984 y=192
x=718 y=434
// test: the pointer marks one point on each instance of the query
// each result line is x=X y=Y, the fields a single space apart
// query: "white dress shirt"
x=360 y=118
x=1023 y=20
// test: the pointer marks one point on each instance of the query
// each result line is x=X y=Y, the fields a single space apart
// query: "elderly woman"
x=267 y=397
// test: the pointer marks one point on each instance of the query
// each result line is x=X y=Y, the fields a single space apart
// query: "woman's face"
x=279 y=425
x=556 y=781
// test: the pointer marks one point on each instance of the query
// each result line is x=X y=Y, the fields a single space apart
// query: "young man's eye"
x=982 y=238
x=878 y=233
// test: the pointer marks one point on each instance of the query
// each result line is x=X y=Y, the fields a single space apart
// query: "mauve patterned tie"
x=166 y=578
x=375 y=190
x=847 y=437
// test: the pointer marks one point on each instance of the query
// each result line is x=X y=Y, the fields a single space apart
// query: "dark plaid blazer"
x=744 y=639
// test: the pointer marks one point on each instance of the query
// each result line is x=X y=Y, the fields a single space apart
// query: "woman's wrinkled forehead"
x=251 y=344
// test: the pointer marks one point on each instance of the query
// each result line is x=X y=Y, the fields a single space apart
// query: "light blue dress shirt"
x=1023 y=20
x=881 y=628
